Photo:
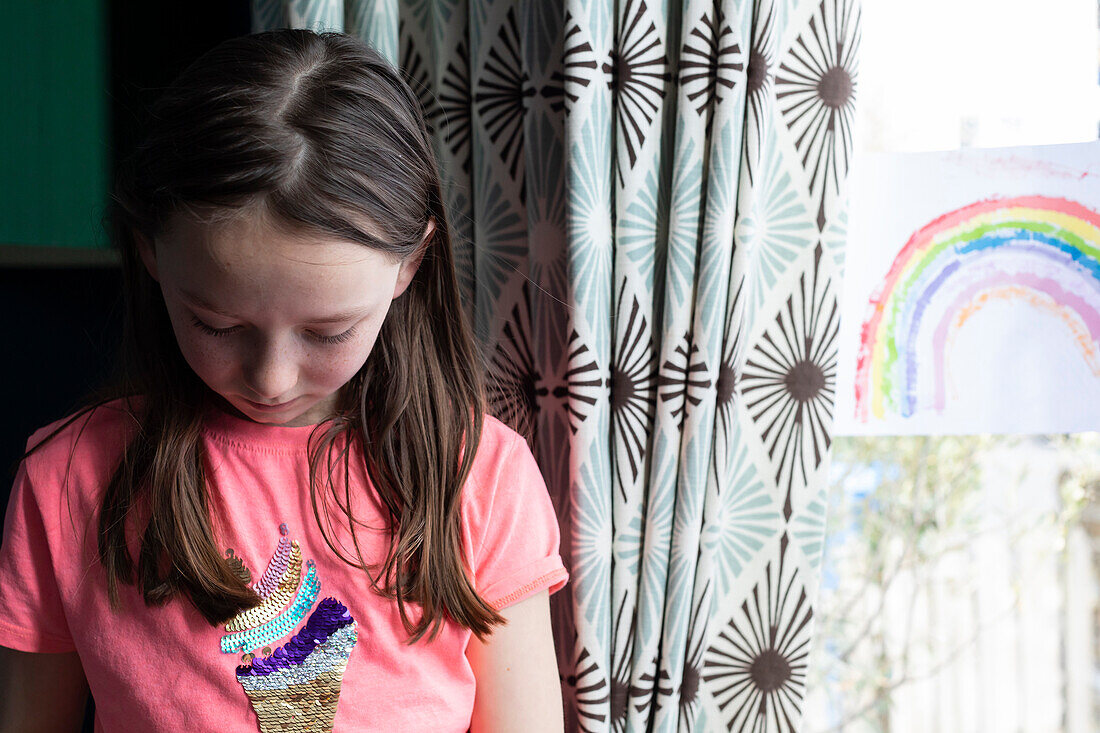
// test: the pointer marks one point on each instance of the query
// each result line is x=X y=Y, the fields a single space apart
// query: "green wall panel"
x=54 y=128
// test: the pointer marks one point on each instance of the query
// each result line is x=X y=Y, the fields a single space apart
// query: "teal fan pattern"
x=648 y=206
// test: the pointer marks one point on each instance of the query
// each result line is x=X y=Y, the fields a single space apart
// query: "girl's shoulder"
x=503 y=458
x=498 y=442
x=95 y=435
x=496 y=433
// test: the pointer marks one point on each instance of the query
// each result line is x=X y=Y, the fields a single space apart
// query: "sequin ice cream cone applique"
x=296 y=687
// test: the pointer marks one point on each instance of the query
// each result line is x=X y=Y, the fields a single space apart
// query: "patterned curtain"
x=648 y=203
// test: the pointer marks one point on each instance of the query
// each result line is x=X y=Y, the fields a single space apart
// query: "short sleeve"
x=31 y=615
x=517 y=546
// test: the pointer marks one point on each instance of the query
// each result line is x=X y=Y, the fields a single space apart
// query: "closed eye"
x=208 y=329
x=320 y=338
x=337 y=339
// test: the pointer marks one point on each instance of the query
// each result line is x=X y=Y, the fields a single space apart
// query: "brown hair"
x=319 y=132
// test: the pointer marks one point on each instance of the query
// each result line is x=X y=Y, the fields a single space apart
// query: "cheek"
x=334 y=366
x=208 y=358
x=213 y=363
x=212 y=359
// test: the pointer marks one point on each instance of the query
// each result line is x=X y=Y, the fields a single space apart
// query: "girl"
x=292 y=513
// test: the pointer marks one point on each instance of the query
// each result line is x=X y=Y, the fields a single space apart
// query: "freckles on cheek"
x=206 y=359
x=341 y=367
x=342 y=364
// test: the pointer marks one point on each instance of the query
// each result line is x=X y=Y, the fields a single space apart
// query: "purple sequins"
x=329 y=616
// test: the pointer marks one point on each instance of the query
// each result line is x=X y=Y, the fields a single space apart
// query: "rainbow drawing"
x=1038 y=250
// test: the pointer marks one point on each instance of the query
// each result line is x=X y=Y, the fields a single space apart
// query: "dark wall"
x=66 y=323
x=63 y=322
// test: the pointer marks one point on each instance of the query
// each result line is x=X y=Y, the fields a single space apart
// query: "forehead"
x=256 y=235
x=248 y=260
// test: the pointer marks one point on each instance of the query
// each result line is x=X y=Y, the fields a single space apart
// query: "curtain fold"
x=648 y=208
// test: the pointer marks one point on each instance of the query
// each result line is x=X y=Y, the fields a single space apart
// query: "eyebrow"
x=354 y=313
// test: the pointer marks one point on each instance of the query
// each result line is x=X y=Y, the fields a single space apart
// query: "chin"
x=289 y=419
x=266 y=417
x=310 y=414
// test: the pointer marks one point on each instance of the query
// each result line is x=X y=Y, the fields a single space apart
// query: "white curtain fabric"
x=648 y=203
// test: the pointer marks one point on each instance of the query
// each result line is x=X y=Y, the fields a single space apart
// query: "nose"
x=271 y=372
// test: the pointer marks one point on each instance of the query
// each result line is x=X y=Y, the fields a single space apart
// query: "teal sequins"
x=246 y=641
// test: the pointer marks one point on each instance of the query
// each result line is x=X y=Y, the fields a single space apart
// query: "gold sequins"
x=238 y=567
x=273 y=604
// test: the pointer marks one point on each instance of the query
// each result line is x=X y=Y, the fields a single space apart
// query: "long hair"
x=320 y=133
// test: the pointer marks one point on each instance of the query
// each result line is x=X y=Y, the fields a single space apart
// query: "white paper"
x=971 y=297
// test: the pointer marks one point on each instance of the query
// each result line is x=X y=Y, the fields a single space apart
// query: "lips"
x=270 y=408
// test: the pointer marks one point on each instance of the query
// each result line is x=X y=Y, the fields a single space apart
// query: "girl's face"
x=275 y=322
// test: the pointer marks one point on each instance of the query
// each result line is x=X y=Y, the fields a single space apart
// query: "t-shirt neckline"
x=221 y=425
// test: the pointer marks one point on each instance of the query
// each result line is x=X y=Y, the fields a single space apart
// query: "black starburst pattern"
x=515 y=383
x=693 y=662
x=582 y=382
x=728 y=370
x=710 y=62
x=620 y=668
x=632 y=383
x=417 y=75
x=636 y=75
x=578 y=62
x=553 y=90
x=589 y=691
x=760 y=75
x=543 y=23
x=789 y=381
x=816 y=92
x=503 y=92
x=653 y=685
x=756 y=667
x=455 y=105
x=679 y=381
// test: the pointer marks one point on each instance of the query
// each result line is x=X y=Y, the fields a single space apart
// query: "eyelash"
x=211 y=331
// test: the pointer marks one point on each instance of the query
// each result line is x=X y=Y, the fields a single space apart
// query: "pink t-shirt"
x=167 y=669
